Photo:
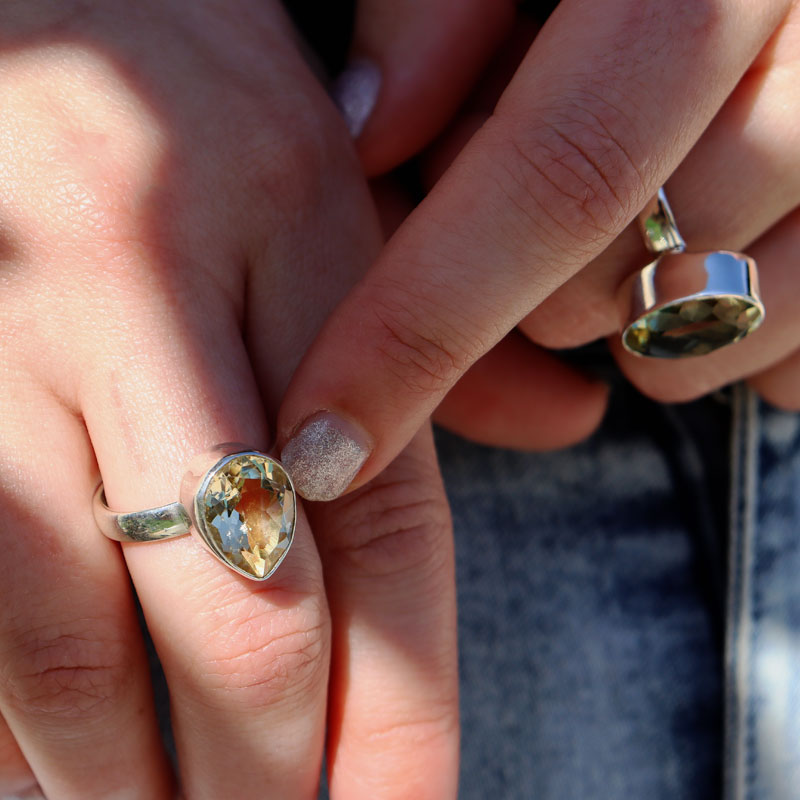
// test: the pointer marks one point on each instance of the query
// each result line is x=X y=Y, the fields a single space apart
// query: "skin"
x=529 y=226
x=182 y=207
x=140 y=326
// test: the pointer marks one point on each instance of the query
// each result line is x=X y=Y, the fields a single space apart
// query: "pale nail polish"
x=324 y=456
x=355 y=91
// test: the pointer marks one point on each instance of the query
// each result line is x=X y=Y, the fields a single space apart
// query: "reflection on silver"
x=658 y=227
x=688 y=304
x=150 y=525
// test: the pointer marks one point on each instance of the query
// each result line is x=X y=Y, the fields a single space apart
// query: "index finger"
x=608 y=101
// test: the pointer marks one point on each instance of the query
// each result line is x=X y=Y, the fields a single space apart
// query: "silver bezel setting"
x=195 y=486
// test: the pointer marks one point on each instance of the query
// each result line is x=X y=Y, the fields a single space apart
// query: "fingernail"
x=325 y=455
x=355 y=91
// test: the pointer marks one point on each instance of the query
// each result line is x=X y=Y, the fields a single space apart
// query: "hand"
x=606 y=106
x=181 y=207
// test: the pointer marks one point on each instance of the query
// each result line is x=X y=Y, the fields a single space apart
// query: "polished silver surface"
x=150 y=525
x=658 y=227
x=690 y=304
x=169 y=521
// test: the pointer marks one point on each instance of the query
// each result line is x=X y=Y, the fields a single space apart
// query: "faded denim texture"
x=595 y=615
x=763 y=655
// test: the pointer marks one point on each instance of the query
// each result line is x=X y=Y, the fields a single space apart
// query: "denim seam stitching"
x=739 y=777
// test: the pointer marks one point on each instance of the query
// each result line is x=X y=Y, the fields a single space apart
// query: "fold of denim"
x=762 y=695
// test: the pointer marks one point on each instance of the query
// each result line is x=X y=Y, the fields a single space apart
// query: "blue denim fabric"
x=591 y=654
x=595 y=611
x=763 y=646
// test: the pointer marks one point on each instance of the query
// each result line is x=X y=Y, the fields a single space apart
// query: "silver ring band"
x=151 y=525
x=659 y=229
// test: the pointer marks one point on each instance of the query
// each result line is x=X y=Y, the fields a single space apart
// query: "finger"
x=515 y=396
x=16 y=777
x=480 y=104
x=780 y=384
x=717 y=207
x=558 y=173
x=75 y=689
x=777 y=338
x=246 y=663
x=393 y=725
x=411 y=66
x=521 y=397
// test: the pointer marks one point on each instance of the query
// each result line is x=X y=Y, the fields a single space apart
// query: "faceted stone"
x=693 y=327
x=247 y=514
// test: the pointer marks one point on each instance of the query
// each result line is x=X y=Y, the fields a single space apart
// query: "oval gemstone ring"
x=239 y=502
x=685 y=303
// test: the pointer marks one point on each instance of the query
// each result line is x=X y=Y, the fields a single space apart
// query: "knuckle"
x=293 y=168
x=440 y=722
x=701 y=21
x=86 y=173
x=419 y=346
x=392 y=526
x=261 y=653
x=428 y=739
x=784 y=401
x=68 y=674
x=577 y=174
x=777 y=388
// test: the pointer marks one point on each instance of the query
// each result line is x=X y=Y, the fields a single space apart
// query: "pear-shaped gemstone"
x=247 y=514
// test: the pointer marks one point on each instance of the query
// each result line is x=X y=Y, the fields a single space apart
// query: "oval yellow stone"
x=693 y=327
x=247 y=514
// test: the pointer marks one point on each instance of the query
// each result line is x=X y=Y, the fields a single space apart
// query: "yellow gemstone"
x=693 y=327
x=248 y=513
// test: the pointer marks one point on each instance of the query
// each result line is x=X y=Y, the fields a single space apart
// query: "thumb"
x=411 y=65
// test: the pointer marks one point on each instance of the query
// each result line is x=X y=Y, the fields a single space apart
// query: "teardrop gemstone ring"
x=239 y=502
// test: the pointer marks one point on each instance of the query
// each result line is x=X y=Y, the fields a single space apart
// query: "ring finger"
x=246 y=662
x=71 y=658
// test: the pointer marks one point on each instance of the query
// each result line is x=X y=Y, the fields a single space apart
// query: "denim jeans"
x=629 y=609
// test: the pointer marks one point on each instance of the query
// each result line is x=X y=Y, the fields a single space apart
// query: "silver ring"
x=239 y=503
x=688 y=304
